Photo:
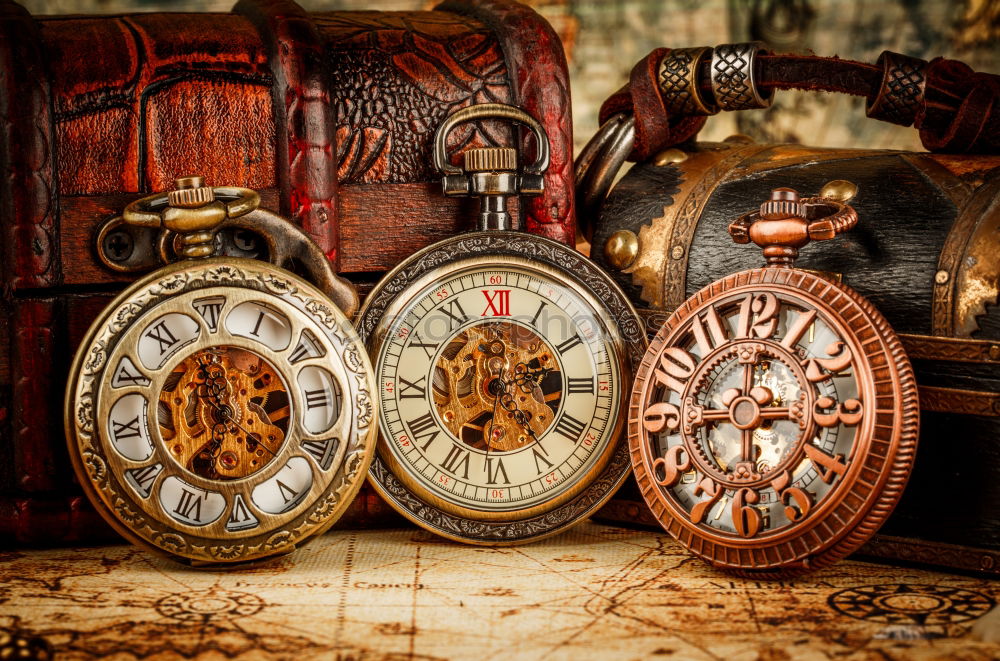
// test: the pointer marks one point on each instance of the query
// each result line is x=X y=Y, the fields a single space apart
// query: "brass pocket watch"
x=219 y=409
x=503 y=361
x=774 y=417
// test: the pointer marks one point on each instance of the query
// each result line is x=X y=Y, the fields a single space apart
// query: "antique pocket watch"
x=774 y=417
x=219 y=409
x=503 y=361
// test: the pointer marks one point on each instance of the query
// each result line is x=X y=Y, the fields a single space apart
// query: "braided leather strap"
x=955 y=108
x=643 y=97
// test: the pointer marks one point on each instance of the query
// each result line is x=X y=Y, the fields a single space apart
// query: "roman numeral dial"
x=223 y=411
x=498 y=389
x=162 y=338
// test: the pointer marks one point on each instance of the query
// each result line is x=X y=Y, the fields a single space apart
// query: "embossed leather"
x=29 y=185
x=303 y=119
x=543 y=88
x=330 y=116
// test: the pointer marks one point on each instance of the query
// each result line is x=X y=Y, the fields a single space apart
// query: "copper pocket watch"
x=219 y=409
x=774 y=418
x=503 y=361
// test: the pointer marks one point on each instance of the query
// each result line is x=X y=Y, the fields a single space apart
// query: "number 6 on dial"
x=775 y=414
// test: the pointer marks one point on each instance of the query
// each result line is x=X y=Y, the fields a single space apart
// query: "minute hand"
x=226 y=416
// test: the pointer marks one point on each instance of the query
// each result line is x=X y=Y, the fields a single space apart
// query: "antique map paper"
x=596 y=592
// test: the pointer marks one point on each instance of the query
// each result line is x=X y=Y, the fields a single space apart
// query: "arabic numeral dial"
x=755 y=408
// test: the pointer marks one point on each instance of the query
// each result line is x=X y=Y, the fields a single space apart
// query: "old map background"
x=596 y=592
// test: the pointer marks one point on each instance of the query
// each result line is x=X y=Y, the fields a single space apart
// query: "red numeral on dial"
x=497 y=303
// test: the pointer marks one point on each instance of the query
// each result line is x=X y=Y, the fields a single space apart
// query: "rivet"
x=740 y=138
x=840 y=190
x=621 y=249
x=672 y=155
x=118 y=246
x=677 y=252
x=941 y=277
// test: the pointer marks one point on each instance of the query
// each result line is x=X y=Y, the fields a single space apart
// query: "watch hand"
x=520 y=417
x=493 y=418
x=534 y=375
x=228 y=417
x=746 y=436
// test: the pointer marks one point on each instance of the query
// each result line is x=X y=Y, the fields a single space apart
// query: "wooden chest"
x=330 y=116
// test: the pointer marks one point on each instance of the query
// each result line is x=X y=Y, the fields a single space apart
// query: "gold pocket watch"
x=220 y=408
x=775 y=414
x=503 y=362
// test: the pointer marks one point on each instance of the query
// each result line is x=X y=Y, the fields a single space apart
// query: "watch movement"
x=502 y=362
x=219 y=409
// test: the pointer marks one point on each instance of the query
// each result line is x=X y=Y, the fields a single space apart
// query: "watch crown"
x=490 y=159
x=786 y=223
x=191 y=193
x=784 y=203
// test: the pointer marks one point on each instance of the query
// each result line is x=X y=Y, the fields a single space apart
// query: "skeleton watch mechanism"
x=502 y=360
x=775 y=417
x=219 y=410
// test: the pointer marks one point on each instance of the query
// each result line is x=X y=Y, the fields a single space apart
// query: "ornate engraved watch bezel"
x=492 y=247
x=884 y=448
x=89 y=386
x=388 y=453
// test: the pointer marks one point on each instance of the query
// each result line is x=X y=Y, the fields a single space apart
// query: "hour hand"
x=524 y=374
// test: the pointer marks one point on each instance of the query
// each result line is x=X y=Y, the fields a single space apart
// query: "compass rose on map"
x=205 y=605
x=901 y=603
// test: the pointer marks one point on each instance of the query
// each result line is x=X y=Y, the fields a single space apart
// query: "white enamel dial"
x=499 y=389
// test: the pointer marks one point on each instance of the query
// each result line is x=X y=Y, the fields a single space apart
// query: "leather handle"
x=670 y=91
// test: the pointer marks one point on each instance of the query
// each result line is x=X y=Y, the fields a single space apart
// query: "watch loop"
x=732 y=74
x=678 y=79
x=901 y=94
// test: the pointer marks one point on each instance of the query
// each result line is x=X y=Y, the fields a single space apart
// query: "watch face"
x=775 y=421
x=221 y=411
x=500 y=384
